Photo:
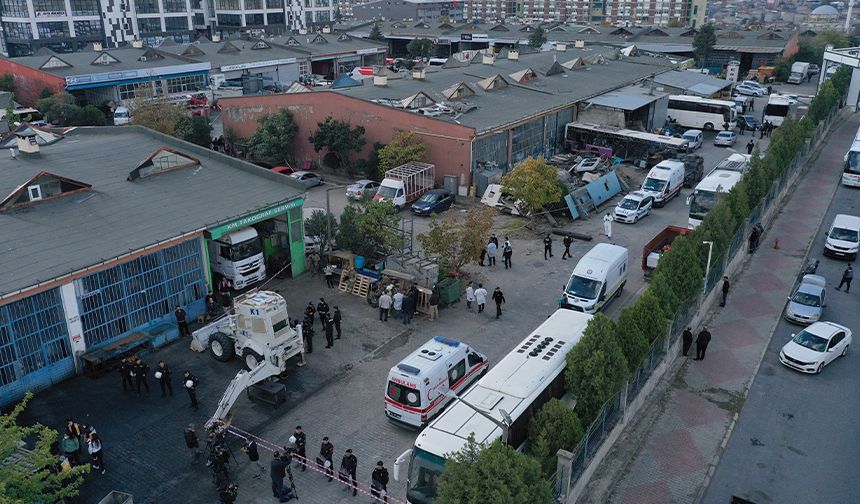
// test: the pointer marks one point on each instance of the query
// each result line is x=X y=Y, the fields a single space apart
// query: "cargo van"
x=843 y=239
x=121 y=116
x=597 y=278
x=664 y=181
x=694 y=139
x=239 y=257
x=425 y=381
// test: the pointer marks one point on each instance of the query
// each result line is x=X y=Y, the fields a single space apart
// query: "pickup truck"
x=655 y=247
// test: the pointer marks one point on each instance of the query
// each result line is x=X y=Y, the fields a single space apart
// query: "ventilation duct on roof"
x=488 y=59
x=579 y=44
x=513 y=54
x=137 y=44
x=216 y=37
x=560 y=47
x=97 y=46
x=380 y=80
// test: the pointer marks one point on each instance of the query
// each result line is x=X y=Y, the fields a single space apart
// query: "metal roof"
x=629 y=98
x=693 y=82
x=47 y=239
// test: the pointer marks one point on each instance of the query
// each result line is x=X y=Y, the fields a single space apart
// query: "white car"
x=749 y=90
x=308 y=179
x=815 y=347
x=725 y=138
x=755 y=84
x=633 y=207
x=361 y=188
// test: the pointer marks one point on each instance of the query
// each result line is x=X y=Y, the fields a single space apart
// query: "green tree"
x=703 y=44
x=497 y=474
x=32 y=478
x=596 y=367
x=678 y=276
x=10 y=111
x=376 y=33
x=339 y=138
x=7 y=82
x=639 y=325
x=538 y=37
x=45 y=93
x=403 y=148
x=89 y=116
x=196 y=129
x=457 y=242
x=534 y=182
x=420 y=48
x=159 y=115
x=273 y=140
x=318 y=225
x=58 y=109
x=369 y=228
x=555 y=427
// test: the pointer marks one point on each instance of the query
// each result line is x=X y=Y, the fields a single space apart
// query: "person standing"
x=191 y=382
x=494 y=240
x=71 y=448
x=329 y=275
x=481 y=297
x=762 y=130
x=491 y=253
x=192 y=443
x=397 y=304
x=847 y=276
x=310 y=313
x=547 y=246
x=327 y=453
x=308 y=333
x=410 y=302
x=224 y=287
x=301 y=442
x=750 y=146
x=567 y=242
x=94 y=448
x=125 y=370
x=349 y=467
x=329 y=331
x=726 y=286
x=379 y=482
x=742 y=127
x=314 y=260
x=607 y=225
x=140 y=370
x=470 y=296
x=434 y=304
x=162 y=374
x=336 y=319
x=322 y=310
x=507 y=253
x=181 y=322
x=277 y=471
x=752 y=104
x=384 y=306
x=687 y=339
x=483 y=256
x=499 y=298
x=702 y=341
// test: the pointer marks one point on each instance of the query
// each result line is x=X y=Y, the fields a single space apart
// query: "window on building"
x=491 y=151
x=309 y=18
x=85 y=7
x=49 y=7
x=253 y=5
x=323 y=3
x=53 y=30
x=254 y=20
x=136 y=90
x=527 y=140
x=149 y=25
x=229 y=20
x=88 y=28
x=227 y=5
x=270 y=4
x=14 y=8
x=199 y=19
x=309 y=3
x=275 y=18
x=146 y=6
x=304 y=67
x=176 y=23
x=196 y=4
x=174 y=5
x=185 y=84
x=323 y=16
x=18 y=30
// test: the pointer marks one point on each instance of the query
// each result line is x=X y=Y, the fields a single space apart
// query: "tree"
x=703 y=44
x=7 y=82
x=89 y=116
x=196 y=129
x=675 y=23
x=339 y=138
x=420 y=48
x=273 y=140
x=10 y=111
x=596 y=367
x=376 y=33
x=639 y=325
x=497 y=474
x=538 y=37
x=45 y=93
x=58 y=109
x=369 y=167
x=458 y=242
x=369 y=228
x=555 y=427
x=534 y=182
x=33 y=477
x=403 y=148
x=318 y=225
x=678 y=276
x=159 y=115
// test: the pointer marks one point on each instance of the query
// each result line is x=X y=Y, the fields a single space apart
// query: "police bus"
x=851 y=170
x=702 y=113
x=499 y=406
x=710 y=190
x=777 y=109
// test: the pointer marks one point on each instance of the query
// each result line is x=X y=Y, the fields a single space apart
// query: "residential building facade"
x=614 y=12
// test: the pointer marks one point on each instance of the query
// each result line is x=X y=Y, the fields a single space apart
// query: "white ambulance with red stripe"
x=419 y=386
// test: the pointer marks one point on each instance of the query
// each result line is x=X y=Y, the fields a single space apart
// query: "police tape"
x=377 y=496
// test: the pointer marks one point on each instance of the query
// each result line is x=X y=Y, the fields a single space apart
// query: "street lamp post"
x=708 y=265
x=328 y=216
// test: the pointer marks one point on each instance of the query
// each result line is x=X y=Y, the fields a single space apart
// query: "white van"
x=425 y=381
x=597 y=278
x=694 y=139
x=239 y=257
x=843 y=239
x=121 y=116
x=664 y=181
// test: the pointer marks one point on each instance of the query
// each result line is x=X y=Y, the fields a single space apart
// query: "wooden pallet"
x=361 y=286
x=343 y=286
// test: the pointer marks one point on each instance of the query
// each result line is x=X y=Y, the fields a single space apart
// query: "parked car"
x=815 y=347
x=750 y=122
x=633 y=207
x=813 y=69
x=749 y=90
x=758 y=85
x=362 y=188
x=284 y=170
x=806 y=304
x=726 y=138
x=435 y=201
x=307 y=178
x=694 y=139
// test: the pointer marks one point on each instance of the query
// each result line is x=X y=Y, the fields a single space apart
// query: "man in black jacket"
x=702 y=343
x=337 y=318
x=301 y=443
x=140 y=370
x=190 y=379
x=499 y=298
x=327 y=453
x=379 y=482
x=349 y=466
x=328 y=324
x=277 y=471
x=162 y=374
x=687 y=338
x=322 y=310
x=181 y=322
x=125 y=370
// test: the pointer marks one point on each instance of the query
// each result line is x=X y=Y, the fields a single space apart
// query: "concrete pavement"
x=669 y=453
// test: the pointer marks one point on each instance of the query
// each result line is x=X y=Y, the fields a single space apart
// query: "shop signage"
x=77 y=80
x=268 y=213
x=257 y=64
x=373 y=50
x=40 y=14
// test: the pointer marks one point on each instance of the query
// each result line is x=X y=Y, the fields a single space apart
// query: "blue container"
x=359 y=262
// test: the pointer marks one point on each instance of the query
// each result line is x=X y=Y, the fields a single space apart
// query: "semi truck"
x=239 y=257
x=406 y=183
x=799 y=72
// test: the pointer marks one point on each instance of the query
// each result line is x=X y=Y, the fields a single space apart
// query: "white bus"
x=851 y=170
x=708 y=194
x=776 y=110
x=513 y=390
x=702 y=113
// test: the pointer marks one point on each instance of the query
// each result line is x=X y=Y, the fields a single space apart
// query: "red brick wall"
x=30 y=82
x=792 y=46
x=449 y=145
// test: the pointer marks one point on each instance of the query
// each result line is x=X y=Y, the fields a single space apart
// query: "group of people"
x=403 y=305
x=755 y=237
x=479 y=297
x=702 y=341
x=330 y=324
x=76 y=437
x=134 y=373
x=491 y=250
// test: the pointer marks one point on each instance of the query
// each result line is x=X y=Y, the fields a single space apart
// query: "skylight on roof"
x=160 y=161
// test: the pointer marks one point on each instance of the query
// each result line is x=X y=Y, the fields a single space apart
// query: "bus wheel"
x=709 y=127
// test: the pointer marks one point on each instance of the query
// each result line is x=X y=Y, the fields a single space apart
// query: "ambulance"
x=425 y=381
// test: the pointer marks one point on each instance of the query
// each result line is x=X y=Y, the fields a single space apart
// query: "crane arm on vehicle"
x=240 y=383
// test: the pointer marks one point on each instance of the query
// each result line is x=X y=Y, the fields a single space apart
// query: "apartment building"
x=614 y=12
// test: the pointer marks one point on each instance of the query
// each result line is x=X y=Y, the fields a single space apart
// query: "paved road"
x=796 y=438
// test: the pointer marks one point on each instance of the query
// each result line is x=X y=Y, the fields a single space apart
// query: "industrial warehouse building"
x=106 y=230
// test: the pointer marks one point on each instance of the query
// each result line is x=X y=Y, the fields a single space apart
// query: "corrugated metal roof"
x=626 y=98
x=689 y=80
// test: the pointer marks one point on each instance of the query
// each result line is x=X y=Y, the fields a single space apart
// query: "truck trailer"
x=406 y=183
x=799 y=72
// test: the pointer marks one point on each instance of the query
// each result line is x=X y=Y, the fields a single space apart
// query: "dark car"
x=750 y=122
x=435 y=201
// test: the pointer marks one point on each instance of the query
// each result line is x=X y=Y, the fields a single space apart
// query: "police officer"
x=301 y=442
x=349 y=465
x=190 y=379
x=162 y=374
x=322 y=309
x=567 y=242
x=181 y=322
x=308 y=332
x=328 y=323
x=327 y=453
x=547 y=246
x=336 y=319
x=310 y=312
x=126 y=372
x=379 y=482
x=140 y=370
